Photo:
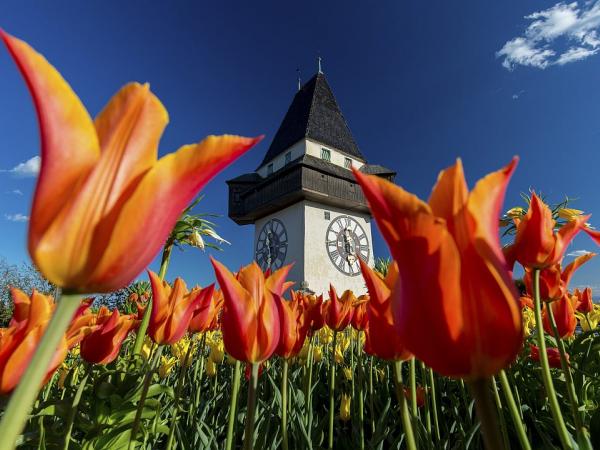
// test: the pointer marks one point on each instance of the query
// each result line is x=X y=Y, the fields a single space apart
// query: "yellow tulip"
x=347 y=373
x=528 y=321
x=317 y=353
x=345 y=407
x=211 y=368
x=166 y=365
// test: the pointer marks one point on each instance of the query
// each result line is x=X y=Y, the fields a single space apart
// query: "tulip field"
x=470 y=336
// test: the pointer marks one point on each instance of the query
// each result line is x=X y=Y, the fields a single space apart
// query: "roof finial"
x=299 y=79
x=320 y=70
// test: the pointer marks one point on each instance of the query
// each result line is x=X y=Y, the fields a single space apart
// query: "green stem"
x=332 y=391
x=486 y=411
x=404 y=412
x=74 y=406
x=251 y=409
x=413 y=388
x=514 y=412
x=140 y=408
x=17 y=410
x=561 y=428
x=361 y=406
x=232 y=406
x=371 y=393
x=308 y=382
x=583 y=437
x=177 y=396
x=143 y=328
x=500 y=414
x=436 y=423
x=199 y=368
x=284 y=392
x=427 y=401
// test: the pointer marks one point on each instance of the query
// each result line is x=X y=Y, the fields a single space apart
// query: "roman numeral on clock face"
x=345 y=242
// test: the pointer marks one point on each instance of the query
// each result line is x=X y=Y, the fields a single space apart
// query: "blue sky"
x=420 y=83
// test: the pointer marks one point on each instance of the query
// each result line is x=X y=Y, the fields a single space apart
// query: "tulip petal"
x=485 y=205
x=594 y=234
x=568 y=271
x=129 y=129
x=68 y=138
x=450 y=193
x=156 y=205
x=240 y=316
x=276 y=281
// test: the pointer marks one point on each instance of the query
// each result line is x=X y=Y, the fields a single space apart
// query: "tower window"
x=326 y=154
x=288 y=158
x=327 y=215
x=270 y=169
x=347 y=163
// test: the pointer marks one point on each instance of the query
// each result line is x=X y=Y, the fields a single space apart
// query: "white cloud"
x=18 y=217
x=15 y=191
x=518 y=94
x=29 y=168
x=564 y=24
x=577 y=253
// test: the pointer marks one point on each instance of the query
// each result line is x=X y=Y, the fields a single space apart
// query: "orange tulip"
x=536 y=244
x=452 y=272
x=101 y=186
x=313 y=312
x=293 y=328
x=553 y=356
x=338 y=310
x=103 y=344
x=360 y=318
x=584 y=301
x=250 y=320
x=19 y=341
x=564 y=316
x=172 y=308
x=553 y=280
x=206 y=317
x=381 y=338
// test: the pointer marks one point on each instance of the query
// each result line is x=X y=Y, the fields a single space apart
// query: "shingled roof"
x=314 y=114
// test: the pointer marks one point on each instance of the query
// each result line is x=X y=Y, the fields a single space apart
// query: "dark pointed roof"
x=314 y=114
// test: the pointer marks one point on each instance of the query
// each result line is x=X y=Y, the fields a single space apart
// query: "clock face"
x=271 y=246
x=346 y=241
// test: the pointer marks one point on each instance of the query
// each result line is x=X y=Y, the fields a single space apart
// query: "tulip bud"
x=345 y=408
x=196 y=240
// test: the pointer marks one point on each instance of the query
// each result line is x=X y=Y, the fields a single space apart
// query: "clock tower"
x=303 y=200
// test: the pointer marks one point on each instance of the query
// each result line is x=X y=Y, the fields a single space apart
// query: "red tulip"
x=338 y=310
x=206 y=317
x=455 y=295
x=101 y=185
x=103 y=344
x=19 y=341
x=381 y=338
x=554 y=281
x=420 y=395
x=564 y=315
x=313 y=312
x=250 y=320
x=172 y=308
x=360 y=318
x=292 y=325
x=553 y=356
x=536 y=244
x=585 y=302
